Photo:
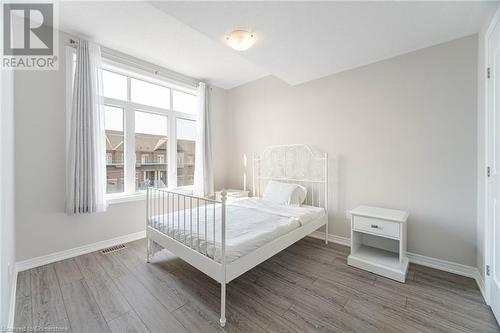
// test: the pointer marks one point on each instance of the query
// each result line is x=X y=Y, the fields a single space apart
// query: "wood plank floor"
x=307 y=288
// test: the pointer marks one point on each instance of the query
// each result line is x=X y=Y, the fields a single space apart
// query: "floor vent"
x=113 y=249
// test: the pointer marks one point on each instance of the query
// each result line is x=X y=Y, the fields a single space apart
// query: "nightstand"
x=232 y=194
x=378 y=241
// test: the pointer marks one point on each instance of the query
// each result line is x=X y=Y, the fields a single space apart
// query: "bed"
x=225 y=239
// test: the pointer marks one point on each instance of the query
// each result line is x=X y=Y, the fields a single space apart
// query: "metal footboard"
x=192 y=227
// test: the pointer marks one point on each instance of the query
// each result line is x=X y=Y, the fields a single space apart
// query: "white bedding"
x=250 y=223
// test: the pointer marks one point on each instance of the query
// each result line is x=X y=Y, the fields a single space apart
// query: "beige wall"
x=404 y=131
x=42 y=227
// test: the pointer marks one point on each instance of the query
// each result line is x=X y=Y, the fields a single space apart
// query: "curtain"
x=203 y=168
x=86 y=164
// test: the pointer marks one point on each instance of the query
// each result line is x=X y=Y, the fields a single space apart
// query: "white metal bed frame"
x=291 y=163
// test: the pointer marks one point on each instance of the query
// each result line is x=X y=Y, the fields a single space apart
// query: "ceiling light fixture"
x=240 y=40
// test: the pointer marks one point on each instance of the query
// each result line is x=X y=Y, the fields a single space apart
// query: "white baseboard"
x=480 y=283
x=332 y=238
x=452 y=267
x=443 y=265
x=12 y=305
x=61 y=255
x=418 y=259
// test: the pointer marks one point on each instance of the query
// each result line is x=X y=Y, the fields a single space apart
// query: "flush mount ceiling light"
x=240 y=40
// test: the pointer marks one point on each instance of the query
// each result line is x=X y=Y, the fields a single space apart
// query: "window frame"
x=130 y=192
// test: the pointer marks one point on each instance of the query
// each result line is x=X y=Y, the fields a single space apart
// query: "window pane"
x=151 y=150
x=113 y=123
x=114 y=85
x=184 y=102
x=186 y=139
x=149 y=94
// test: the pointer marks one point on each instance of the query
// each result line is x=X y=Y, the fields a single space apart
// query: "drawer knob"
x=374 y=226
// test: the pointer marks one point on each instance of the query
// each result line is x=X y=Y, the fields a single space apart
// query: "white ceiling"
x=142 y=31
x=297 y=41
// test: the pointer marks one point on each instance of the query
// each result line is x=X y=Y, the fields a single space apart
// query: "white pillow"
x=298 y=195
x=278 y=192
x=284 y=193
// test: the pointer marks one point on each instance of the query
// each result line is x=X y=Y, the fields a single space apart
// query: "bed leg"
x=148 y=250
x=223 y=304
x=326 y=233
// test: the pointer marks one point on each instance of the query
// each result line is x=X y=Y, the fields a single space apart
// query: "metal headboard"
x=297 y=163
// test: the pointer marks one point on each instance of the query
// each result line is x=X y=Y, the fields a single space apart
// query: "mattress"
x=250 y=224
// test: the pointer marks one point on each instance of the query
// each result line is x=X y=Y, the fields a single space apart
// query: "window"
x=150 y=128
x=141 y=112
x=113 y=123
x=186 y=144
x=114 y=85
x=150 y=148
x=150 y=94
x=184 y=102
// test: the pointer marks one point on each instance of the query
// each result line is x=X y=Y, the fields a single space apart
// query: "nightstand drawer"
x=376 y=226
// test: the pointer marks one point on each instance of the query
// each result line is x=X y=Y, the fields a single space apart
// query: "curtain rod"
x=171 y=75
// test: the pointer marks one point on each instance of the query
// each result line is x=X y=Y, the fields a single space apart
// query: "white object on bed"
x=284 y=193
x=278 y=192
x=253 y=223
x=298 y=196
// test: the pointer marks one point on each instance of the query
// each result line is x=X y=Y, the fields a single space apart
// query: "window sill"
x=122 y=198
x=113 y=199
